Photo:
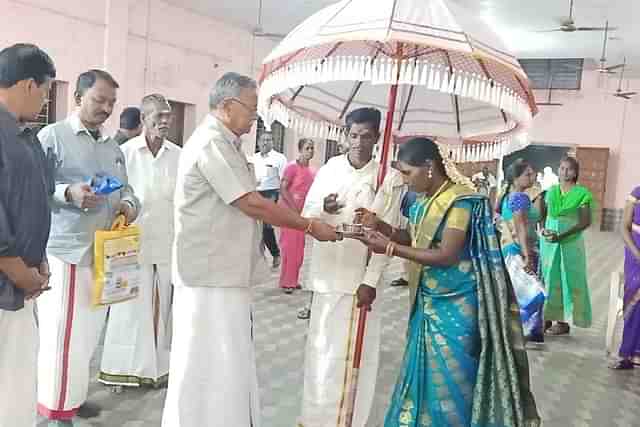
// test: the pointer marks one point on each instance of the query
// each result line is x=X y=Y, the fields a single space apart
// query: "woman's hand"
x=529 y=266
x=367 y=218
x=375 y=240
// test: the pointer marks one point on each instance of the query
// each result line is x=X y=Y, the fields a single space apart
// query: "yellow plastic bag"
x=116 y=266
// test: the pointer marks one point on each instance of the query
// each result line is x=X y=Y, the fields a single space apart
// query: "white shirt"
x=342 y=266
x=154 y=182
x=549 y=179
x=269 y=169
x=215 y=245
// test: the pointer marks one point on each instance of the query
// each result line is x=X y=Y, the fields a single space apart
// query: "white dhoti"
x=213 y=379
x=69 y=333
x=136 y=344
x=18 y=364
x=328 y=370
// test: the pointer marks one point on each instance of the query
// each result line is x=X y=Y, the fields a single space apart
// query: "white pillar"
x=116 y=35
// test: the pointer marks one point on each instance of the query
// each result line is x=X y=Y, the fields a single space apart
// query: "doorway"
x=176 y=131
x=539 y=157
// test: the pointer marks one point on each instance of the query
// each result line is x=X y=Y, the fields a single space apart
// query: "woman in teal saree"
x=465 y=363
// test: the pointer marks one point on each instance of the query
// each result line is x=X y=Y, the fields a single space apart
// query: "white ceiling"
x=515 y=20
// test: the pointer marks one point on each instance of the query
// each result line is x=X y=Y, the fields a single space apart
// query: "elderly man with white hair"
x=136 y=345
x=212 y=378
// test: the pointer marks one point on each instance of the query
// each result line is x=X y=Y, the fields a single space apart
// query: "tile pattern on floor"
x=571 y=382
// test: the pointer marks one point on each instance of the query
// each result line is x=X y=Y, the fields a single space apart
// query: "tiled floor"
x=572 y=384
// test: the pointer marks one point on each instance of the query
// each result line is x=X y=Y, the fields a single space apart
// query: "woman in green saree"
x=465 y=363
x=563 y=258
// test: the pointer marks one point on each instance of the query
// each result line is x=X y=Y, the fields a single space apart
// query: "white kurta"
x=337 y=270
x=137 y=341
x=18 y=358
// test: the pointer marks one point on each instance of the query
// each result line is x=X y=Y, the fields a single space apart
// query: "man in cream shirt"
x=136 y=347
x=212 y=380
x=341 y=279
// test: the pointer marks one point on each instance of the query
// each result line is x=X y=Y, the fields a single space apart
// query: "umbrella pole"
x=388 y=127
x=362 y=318
x=357 y=358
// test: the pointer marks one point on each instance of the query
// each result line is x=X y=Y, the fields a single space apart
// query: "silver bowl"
x=351 y=229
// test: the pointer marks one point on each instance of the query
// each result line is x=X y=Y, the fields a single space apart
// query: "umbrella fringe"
x=386 y=71
x=431 y=81
x=390 y=71
x=444 y=83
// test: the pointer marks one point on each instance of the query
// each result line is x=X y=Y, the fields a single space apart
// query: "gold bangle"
x=309 y=229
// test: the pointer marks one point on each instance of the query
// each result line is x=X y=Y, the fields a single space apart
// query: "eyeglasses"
x=251 y=110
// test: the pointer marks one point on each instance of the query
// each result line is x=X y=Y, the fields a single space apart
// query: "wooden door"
x=594 y=162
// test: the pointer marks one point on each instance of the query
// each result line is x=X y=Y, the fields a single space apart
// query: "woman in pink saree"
x=296 y=182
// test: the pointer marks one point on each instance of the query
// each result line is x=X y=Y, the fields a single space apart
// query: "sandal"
x=559 y=329
x=622 y=365
x=288 y=291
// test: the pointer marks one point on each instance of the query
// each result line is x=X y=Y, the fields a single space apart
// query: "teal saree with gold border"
x=465 y=363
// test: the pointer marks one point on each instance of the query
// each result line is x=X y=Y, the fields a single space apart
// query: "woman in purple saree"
x=630 y=347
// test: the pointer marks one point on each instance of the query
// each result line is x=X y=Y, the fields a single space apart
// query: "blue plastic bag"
x=104 y=184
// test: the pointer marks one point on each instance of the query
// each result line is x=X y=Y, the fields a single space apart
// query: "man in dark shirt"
x=26 y=73
x=130 y=125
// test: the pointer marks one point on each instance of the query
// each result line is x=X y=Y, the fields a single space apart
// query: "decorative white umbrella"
x=431 y=66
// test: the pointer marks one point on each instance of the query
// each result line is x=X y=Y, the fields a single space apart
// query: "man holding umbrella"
x=341 y=279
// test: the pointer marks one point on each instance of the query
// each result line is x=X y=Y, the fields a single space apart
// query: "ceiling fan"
x=620 y=93
x=258 y=31
x=603 y=59
x=568 y=25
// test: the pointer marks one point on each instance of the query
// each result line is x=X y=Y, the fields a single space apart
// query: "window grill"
x=545 y=74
